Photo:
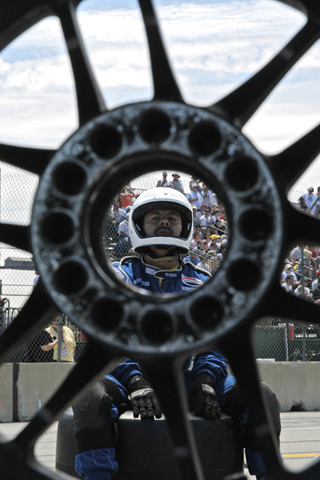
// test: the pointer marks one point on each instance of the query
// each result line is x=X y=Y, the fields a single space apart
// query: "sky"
x=214 y=46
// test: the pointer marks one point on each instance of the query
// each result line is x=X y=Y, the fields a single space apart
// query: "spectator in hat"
x=201 y=211
x=288 y=270
x=309 y=201
x=215 y=237
x=214 y=242
x=164 y=181
x=176 y=183
x=208 y=196
x=195 y=197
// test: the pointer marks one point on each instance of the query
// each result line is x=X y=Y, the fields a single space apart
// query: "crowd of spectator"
x=210 y=238
x=301 y=273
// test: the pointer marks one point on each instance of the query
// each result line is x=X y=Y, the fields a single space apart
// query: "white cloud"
x=213 y=48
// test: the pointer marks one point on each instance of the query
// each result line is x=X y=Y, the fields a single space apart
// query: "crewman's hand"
x=144 y=401
x=207 y=405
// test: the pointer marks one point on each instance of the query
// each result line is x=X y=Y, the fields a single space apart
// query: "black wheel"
x=77 y=182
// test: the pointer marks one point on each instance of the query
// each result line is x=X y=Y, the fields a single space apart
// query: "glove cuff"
x=140 y=393
x=207 y=388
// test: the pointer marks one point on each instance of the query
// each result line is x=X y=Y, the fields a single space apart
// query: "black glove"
x=144 y=401
x=207 y=405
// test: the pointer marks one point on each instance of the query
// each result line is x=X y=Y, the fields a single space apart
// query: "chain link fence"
x=273 y=339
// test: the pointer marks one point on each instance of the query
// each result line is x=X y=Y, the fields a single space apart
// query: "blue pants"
x=101 y=464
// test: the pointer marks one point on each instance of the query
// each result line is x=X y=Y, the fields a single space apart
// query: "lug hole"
x=57 y=228
x=106 y=141
x=256 y=225
x=157 y=326
x=70 y=178
x=154 y=126
x=71 y=278
x=242 y=174
x=107 y=313
x=206 y=312
x=204 y=139
x=244 y=275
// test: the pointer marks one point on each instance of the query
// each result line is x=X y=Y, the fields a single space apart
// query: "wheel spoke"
x=37 y=312
x=22 y=15
x=240 y=105
x=15 y=235
x=34 y=160
x=89 y=97
x=88 y=369
x=291 y=307
x=245 y=369
x=165 y=377
x=165 y=86
x=302 y=229
x=290 y=164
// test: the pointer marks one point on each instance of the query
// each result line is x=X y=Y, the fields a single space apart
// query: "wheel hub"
x=80 y=184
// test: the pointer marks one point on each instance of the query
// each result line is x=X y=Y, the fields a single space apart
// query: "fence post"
x=304 y=339
x=59 y=338
x=1 y=306
x=286 y=340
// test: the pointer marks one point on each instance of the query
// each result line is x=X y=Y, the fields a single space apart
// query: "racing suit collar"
x=164 y=263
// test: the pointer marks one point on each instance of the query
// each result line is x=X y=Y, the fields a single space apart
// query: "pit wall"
x=25 y=387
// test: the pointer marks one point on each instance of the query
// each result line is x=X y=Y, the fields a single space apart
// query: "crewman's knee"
x=273 y=406
x=92 y=425
x=235 y=405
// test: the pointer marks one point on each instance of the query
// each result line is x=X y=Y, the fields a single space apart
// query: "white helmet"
x=163 y=198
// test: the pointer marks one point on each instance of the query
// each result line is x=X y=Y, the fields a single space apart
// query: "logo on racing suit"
x=189 y=283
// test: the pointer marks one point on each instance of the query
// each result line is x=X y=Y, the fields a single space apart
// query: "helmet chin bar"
x=78 y=255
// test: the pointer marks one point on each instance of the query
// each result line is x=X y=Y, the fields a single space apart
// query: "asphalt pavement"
x=300 y=440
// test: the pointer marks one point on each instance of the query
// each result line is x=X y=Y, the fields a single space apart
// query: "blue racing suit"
x=100 y=463
x=185 y=278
